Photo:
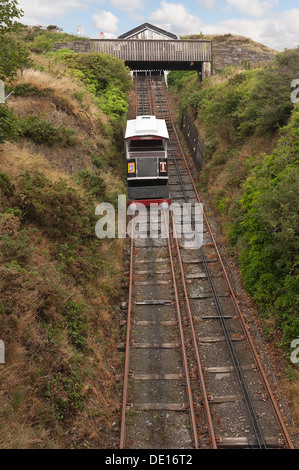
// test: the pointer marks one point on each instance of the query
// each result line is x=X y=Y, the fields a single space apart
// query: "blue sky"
x=274 y=23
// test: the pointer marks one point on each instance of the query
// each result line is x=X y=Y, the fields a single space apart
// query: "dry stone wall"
x=77 y=46
x=225 y=54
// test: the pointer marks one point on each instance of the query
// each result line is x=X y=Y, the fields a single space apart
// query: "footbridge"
x=152 y=55
x=157 y=54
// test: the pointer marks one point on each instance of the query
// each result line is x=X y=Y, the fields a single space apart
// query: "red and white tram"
x=146 y=141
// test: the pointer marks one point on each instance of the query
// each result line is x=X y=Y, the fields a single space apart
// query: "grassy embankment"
x=250 y=179
x=60 y=284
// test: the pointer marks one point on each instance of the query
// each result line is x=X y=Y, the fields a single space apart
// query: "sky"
x=274 y=23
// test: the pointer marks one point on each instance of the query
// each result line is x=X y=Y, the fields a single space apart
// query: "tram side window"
x=146 y=145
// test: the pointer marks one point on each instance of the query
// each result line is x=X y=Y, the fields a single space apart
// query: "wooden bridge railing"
x=154 y=50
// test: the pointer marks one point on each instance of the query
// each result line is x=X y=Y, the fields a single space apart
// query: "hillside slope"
x=60 y=284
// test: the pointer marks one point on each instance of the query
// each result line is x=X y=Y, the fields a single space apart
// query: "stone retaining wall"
x=194 y=142
x=77 y=46
x=235 y=54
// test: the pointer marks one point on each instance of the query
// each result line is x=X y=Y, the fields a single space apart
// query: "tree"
x=9 y=11
x=13 y=54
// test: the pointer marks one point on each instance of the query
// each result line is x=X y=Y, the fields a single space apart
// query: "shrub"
x=16 y=248
x=28 y=89
x=64 y=389
x=76 y=323
x=255 y=100
x=14 y=55
x=55 y=207
x=92 y=182
x=6 y=186
x=114 y=102
x=267 y=237
x=42 y=131
x=105 y=76
x=9 y=124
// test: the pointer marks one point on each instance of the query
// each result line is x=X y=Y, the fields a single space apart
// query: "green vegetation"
x=243 y=115
x=104 y=76
x=55 y=207
x=254 y=101
x=42 y=131
x=265 y=232
x=10 y=12
x=9 y=124
x=12 y=57
x=13 y=53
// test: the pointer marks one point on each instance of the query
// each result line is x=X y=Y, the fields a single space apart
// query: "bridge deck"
x=154 y=50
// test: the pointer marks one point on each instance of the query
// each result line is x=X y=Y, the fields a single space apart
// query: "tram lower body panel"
x=148 y=194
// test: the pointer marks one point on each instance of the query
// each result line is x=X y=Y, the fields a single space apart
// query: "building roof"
x=145 y=26
x=146 y=126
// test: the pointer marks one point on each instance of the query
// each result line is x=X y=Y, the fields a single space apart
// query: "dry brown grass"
x=221 y=78
x=14 y=159
x=293 y=396
x=57 y=78
x=243 y=41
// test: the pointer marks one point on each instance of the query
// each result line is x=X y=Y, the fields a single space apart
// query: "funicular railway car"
x=146 y=140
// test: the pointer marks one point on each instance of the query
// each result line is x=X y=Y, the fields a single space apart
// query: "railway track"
x=192 y=378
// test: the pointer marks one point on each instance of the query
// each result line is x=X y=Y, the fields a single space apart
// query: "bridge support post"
x=204 y=72
x=207 y=69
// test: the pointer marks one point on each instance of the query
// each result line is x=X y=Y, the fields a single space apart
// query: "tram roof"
x=146 y=126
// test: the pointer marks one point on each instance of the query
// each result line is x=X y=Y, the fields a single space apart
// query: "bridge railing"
x=154 y=50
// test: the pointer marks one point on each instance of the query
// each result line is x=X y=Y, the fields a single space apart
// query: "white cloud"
x=128 y=5
x=207 y=4
x=39 y=11
x=105 y=21
x=176 y=15
x=279 y=31
x=255 y=8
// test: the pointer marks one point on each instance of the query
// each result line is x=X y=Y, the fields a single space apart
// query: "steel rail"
x=194 y=340
x=183 y=345
x=150 y=97
x=236 y=363
x=128 y=334
x=236 y=305
x=180 y=322
x=141 y=82
x=136 y=97
x=191 y=324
